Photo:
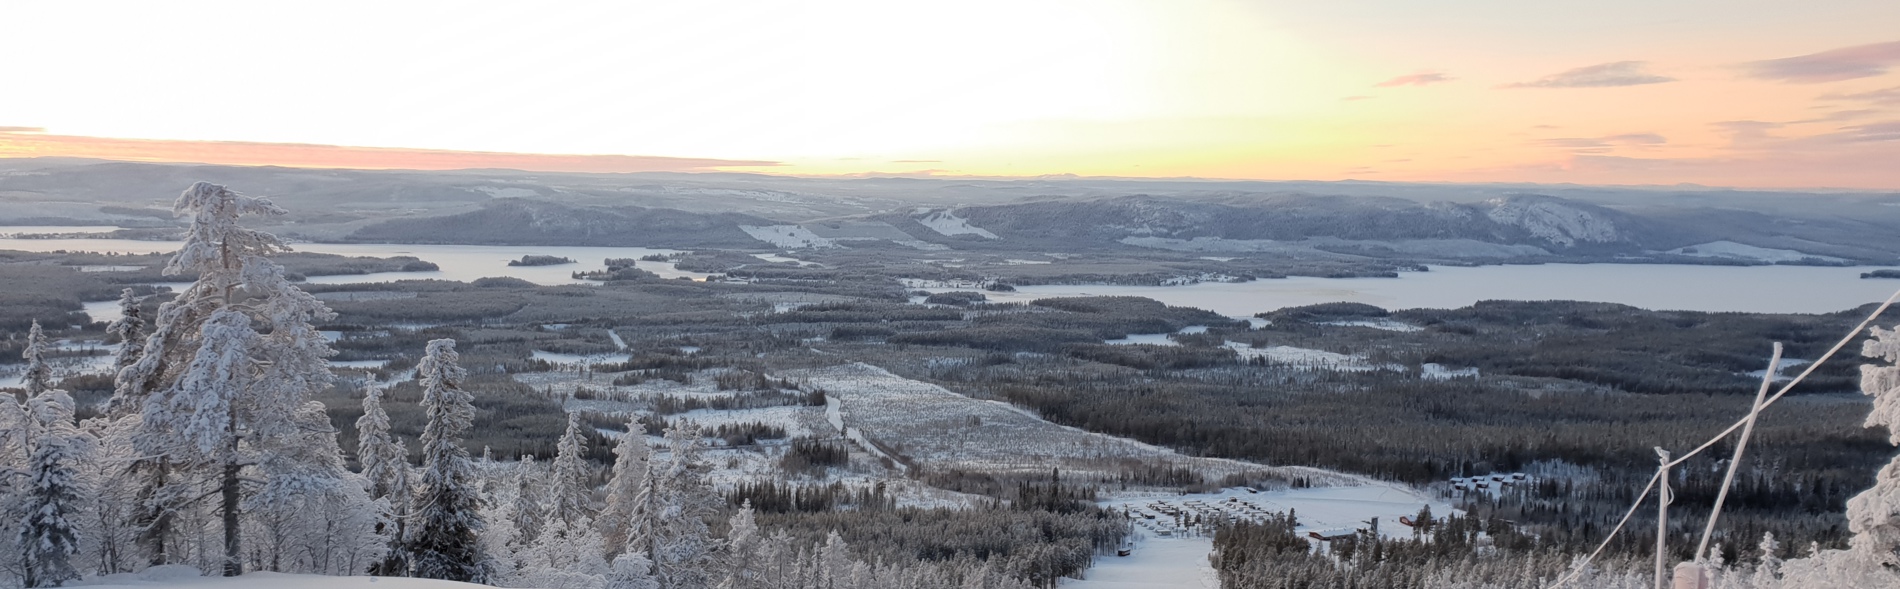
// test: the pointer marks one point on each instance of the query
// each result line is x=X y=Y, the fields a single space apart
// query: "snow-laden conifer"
x=443 y=541
x=744 y=544
x=631 y=459
x=632 y=571
x=568 y=492
x=1874 y=515
x=38 y=377
x=313 y=513
x=228 y=365
x=530 y=509
x=681 y=542
x=49 y=506
x=129 y=328
x=385 y=466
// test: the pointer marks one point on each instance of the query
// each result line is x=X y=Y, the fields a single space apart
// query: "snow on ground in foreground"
x=787 y=236
x=271 y=580
x=942 y=429
x=948 y=223
x=1176 y=563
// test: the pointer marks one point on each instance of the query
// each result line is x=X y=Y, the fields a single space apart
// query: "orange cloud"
x=33 y=142
x=1420 y=79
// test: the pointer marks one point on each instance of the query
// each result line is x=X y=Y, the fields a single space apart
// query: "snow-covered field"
x=1741 y=251
x=579 y=359
x=937 y=427
x=1381 y=323
x=1309 y=359
x=1174 y=563
x=787 y=236
x=948 y=223
x=1442 y=372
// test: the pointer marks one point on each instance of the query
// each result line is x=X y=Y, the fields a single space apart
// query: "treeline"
x=1036 y=546
x=1450 y=553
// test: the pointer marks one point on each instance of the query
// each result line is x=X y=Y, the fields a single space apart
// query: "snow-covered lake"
x=1749 y=289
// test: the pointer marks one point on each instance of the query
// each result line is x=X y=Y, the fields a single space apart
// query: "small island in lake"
x=533 y=260
x=1887 y=273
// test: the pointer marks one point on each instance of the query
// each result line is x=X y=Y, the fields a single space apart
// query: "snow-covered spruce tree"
x=633 y=571
x=312 y=514
x=631 y=458
x=834 y=562
x=568 y=494
x=380 y=457
x=129 y=329
x=498 y=537
x=681 y=542
x=38 y=377
x=530 y=510
x=228 y=365
x=1874 y=515
x=443 y=541
x=385 y=465
x=52 y=497
x=110 y=529
x=564 y=556
x=744 y=544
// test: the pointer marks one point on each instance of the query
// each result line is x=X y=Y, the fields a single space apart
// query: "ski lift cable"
x=1735 y=462
x=1746 y=421
x=1640 y=498
x=1798 y=379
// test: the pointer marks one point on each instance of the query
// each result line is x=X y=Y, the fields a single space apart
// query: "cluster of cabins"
x=1167 y=519
x=1488 y=483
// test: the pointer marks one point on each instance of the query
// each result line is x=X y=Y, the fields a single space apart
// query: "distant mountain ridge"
x=1474 y=222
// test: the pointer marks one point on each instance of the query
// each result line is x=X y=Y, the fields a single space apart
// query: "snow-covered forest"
x=214 y=454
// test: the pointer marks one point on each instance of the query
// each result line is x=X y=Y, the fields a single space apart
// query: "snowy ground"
x=1742 y=251
x=787 y=236
x=262 y=580
x=1181 y=561
x=943 y=429
x=1176 y=563
x=1309 y=359
x=1381 y=323
x=948 y=223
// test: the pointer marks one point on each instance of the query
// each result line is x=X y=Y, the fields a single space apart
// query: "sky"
x=1744 y=93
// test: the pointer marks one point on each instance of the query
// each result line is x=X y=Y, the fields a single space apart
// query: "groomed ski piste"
x=935 y=426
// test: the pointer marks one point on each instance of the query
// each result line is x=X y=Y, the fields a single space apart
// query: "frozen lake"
x=1750 y=289
x=1755 y=289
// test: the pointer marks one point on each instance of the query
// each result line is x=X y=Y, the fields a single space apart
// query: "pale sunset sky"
x=1746 y=93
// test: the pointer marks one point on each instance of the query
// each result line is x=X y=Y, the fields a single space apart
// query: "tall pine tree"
x=228 y=365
